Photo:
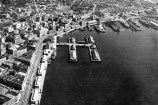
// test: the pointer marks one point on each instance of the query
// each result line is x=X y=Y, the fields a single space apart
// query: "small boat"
x=53 y=55
x=49 y=61
x=89 y=28
x=82 y=28
x=86 y=39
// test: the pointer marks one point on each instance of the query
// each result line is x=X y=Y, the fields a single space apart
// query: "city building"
x=2 y=59
x=15 y=81
x=21 y=50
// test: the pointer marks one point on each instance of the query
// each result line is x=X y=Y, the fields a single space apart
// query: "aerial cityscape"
x=78 y=52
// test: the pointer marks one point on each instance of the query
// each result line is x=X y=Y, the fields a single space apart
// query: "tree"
x=5 y=3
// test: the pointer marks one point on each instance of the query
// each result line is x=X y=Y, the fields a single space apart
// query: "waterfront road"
x=25 y=95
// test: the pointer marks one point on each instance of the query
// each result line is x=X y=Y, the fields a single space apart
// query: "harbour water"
x=127 y=75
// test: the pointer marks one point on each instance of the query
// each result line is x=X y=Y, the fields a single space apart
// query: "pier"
x=93 y=52
x=69 y=44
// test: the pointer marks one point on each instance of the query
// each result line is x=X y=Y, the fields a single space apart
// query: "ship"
x=133 y=27
x=124 y=23
x=94 y=54
x=113 y=26
x=53 y=55
x=153 y=24
x=54 y=51
x=72 y=52
x=91 y=40
x=86 y=39
x=100 y=28
x=144 y=22
x=89 y=27
x=135 y=22
x=82 y=28
x=49 y=61
x=72 y=40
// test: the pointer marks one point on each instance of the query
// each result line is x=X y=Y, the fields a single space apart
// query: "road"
x=26 y=93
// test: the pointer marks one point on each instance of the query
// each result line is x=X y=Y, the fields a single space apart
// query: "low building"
x=40 y=31
x=2 y=49
x=14 y=38
x=15 y=81
x=2 y=59
x=21 y=50
x=23 y=60
x=3 y=70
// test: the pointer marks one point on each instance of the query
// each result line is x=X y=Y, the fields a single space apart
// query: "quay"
x=39 y=83
x=69 y=44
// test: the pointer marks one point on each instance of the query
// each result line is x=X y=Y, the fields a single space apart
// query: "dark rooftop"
x=3 y=99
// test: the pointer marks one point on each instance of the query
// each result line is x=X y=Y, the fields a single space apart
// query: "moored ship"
x=113 y=26
x=89 y=27
x=100 y=28
x=124 y=23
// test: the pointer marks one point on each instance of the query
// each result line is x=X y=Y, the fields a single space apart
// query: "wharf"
x=37 y=92
x=69 y=44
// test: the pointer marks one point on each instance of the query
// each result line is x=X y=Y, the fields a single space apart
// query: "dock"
x=37 y=91
x=69 y=44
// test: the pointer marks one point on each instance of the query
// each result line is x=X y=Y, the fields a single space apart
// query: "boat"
x=133 y=27
x=53 y=55
x=135 y=22
x=72 y=40
x=86 y=39
x=82 y=28
x=49 y=61
x=73 y=53
x=144 y=22
x=153 y=24
x=91 y=40
x=100 y=28
x=124 y=23
x=113 y=26
x=89 y=28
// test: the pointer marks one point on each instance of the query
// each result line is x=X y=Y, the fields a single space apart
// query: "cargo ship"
x=153 y=24
x=124 y=23
x=135 y=22
x=94 y=54
x=100 y=28
x=113 y=26
x=133 y=27
x=144 y=22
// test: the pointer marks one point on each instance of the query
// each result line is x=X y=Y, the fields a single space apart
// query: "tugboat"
x=100 y=28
